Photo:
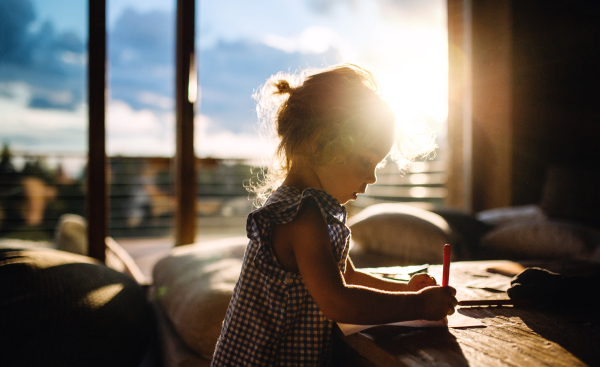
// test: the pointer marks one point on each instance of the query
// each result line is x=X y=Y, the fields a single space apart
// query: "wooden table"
x=513 y=336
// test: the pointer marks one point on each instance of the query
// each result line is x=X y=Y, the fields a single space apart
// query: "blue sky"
x=241 y=44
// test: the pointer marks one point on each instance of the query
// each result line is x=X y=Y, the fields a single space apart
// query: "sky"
x=241 y=43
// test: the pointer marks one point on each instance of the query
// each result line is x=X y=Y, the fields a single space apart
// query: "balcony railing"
x=35 y=191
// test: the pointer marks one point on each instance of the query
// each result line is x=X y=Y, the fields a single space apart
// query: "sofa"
x=59 y=307
x=63 y=309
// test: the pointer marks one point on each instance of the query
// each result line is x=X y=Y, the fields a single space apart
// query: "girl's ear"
x=312 y=146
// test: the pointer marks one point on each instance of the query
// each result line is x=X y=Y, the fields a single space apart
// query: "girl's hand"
x=420 y=281
x=437 y=302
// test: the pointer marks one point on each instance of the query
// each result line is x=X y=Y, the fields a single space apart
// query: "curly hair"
x=325 y=114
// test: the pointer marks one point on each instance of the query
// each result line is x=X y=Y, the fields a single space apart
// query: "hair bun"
x=283 y=87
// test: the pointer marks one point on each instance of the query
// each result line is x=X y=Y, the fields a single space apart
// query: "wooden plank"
x=96 y=193
x=185 y=175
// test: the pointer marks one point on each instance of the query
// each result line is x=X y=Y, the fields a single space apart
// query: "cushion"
x=173 y=352
x=541 y=239
x=63 y=309
x=409 y=234
x=71 y=236
x=193 y=286
x=513 y=214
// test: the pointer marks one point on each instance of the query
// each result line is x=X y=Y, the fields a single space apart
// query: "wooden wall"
x=530 y=100
x=556 y=93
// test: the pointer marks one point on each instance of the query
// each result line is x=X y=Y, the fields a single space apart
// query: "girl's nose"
x=372 y=178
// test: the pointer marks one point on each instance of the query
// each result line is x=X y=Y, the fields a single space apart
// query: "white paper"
x=456 y=320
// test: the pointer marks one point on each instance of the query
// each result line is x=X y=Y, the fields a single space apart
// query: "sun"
x=411 y=65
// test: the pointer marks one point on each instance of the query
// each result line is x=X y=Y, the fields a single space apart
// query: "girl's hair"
x=324 y=115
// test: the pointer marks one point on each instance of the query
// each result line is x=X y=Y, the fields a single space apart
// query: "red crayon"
x=446 y=269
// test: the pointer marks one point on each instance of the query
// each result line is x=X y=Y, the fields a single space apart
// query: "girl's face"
x=344 y=181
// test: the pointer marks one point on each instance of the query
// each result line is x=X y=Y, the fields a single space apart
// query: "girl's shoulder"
x=285 y=202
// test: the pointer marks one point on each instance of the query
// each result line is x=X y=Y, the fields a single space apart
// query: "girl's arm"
x=357 y=277
x=308 y=238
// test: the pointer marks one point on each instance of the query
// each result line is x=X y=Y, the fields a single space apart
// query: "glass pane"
x=43 y=124
x=140 y=117
x=242 y=43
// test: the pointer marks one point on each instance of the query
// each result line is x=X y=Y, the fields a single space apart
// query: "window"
x=43 y=123
x=239 y=44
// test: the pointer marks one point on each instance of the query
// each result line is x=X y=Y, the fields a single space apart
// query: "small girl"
x=297 y=277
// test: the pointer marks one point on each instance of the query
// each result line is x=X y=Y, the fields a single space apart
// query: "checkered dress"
x=272 y=320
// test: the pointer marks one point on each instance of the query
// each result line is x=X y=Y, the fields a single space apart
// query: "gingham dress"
x=272 y=320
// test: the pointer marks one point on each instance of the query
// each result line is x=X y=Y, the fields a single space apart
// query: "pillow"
x=62 y=309
x=542 y=239
x=513 y=214
x=193 y=286
x=412 y=235
x=71 y=236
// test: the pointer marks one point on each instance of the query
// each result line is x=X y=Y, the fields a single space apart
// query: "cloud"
x=432 y=12
x=154 y=99
x=409 y=11
x=139 y=132
x=41 y=130
x=212 y=141
x=315 y=40
x=327 y=6
x=144 y=133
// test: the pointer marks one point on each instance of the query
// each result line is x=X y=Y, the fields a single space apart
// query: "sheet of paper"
x=457 y=320
x=398 y=272
x=492 y=282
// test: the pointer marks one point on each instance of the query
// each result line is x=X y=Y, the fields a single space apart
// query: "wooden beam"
x=480 y=127
x=458 y=166
x=185 y=173
x=96 y=192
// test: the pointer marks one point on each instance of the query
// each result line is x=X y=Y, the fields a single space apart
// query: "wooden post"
x=480 y=126
x=185 y=174
x=458 y=164
x=96 y=192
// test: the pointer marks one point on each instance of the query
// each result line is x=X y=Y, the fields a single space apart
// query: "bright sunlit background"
x=240 y=45
x=403 y=42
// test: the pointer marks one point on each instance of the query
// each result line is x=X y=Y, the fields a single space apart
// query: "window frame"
x=97 y=200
